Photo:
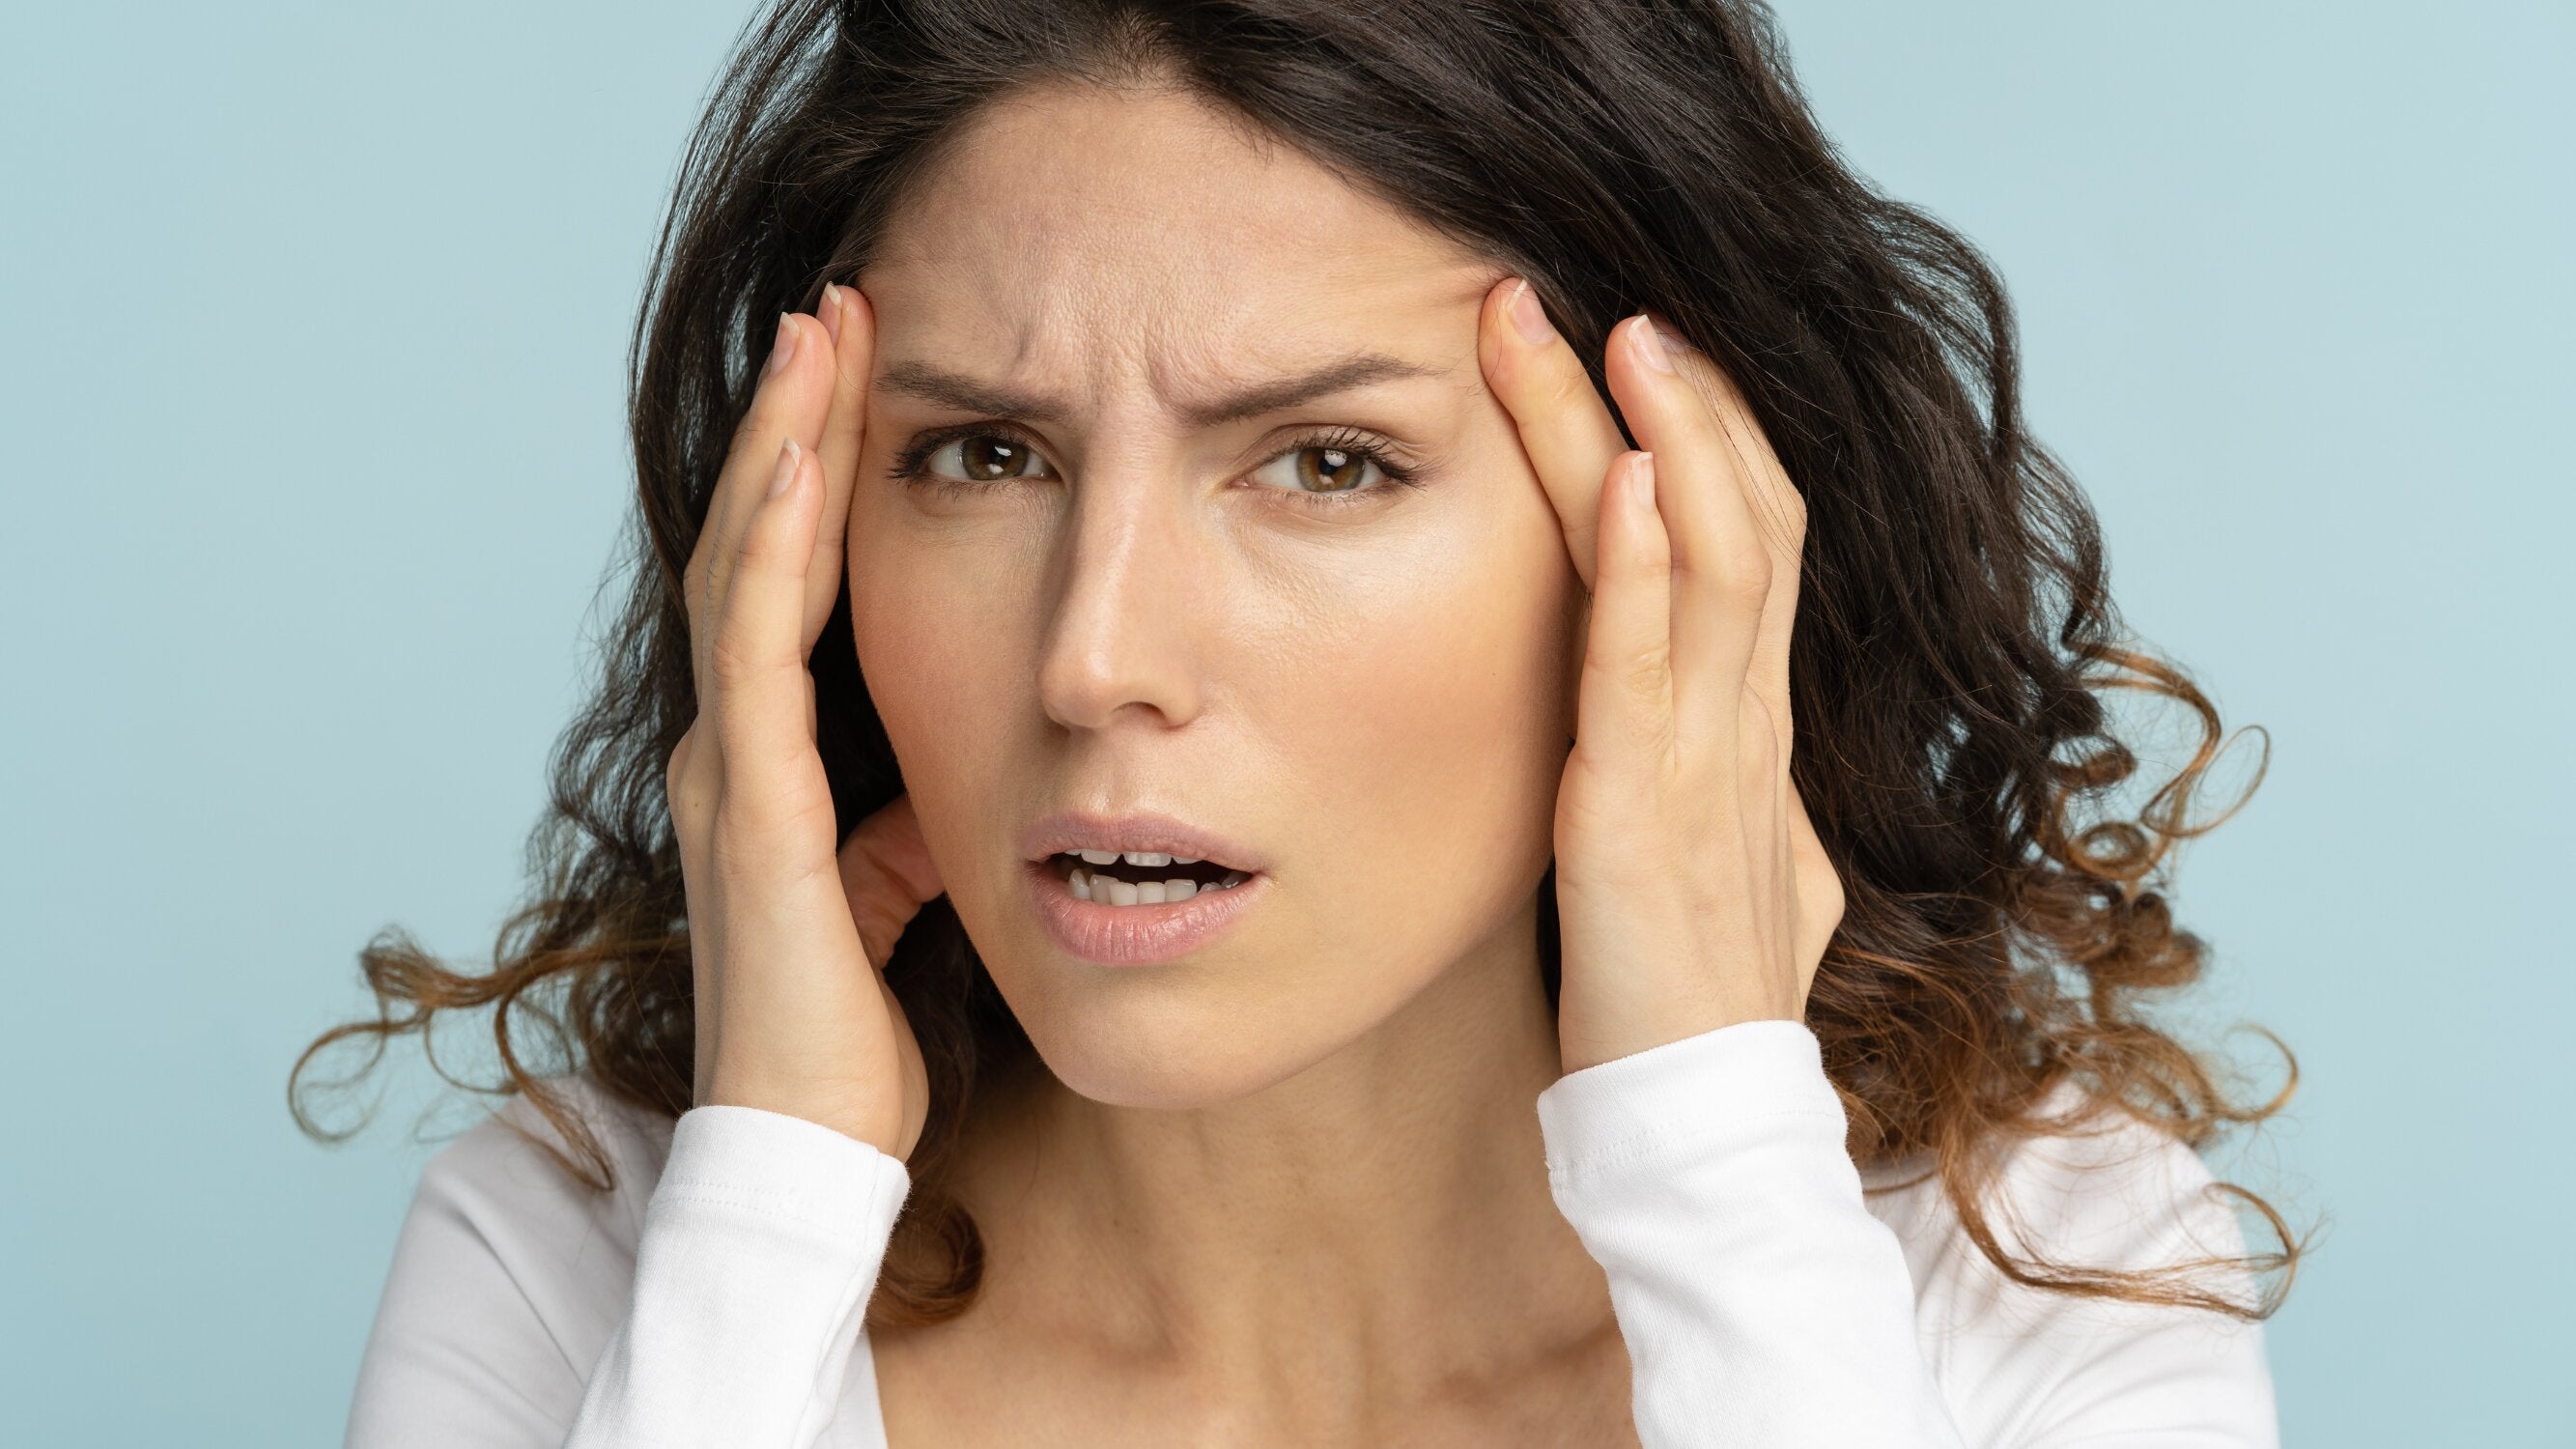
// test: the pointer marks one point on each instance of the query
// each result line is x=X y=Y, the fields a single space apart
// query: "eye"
x=983 y=456
x=1331 y=469
x=1322 y=471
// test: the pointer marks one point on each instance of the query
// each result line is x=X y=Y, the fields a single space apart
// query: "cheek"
x=924 y=643
x=1432 y=731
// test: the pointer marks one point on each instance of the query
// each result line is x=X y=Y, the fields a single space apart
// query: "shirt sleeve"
x=760 y=1251
x=1765 y=1306
x=527 y=1309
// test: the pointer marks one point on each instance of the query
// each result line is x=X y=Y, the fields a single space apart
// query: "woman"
x=1220 y=452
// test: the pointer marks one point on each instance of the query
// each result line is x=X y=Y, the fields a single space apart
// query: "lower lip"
x=1135 y=935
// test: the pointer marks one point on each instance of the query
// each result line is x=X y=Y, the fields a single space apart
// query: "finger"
x=1777 y=506
x=794 y=393
x=1624 y=699
x=1565 y=425
x=851 y=327
x=888 y=875
x=758 y=667
x=1721 y=569
x=789 y=401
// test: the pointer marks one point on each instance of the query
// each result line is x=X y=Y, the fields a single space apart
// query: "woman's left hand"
x=1692 y=893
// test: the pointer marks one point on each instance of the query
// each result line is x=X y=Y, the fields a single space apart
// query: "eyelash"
x=907 y=467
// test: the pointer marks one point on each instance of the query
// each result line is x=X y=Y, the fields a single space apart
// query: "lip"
x=1136 y=935
x=1066 y=830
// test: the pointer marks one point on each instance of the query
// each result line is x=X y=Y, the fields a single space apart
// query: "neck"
x=1378 y=1224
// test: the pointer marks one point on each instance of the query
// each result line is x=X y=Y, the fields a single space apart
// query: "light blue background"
x=314 y=317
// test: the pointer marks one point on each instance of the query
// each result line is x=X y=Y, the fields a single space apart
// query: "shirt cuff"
x=1690 y=1096
x=775 y=1164
x=759 y=1254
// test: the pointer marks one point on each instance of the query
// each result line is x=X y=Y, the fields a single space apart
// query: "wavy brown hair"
x=1956 y=654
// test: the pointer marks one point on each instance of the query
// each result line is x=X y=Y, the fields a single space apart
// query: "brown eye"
x=984 y=458
x=1332 y=469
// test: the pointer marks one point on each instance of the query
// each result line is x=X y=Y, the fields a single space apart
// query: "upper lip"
x=1067 y=830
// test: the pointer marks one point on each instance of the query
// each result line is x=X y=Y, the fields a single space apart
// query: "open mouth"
x=1123 y=882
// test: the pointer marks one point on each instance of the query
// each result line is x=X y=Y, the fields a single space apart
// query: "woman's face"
x=1131 y=604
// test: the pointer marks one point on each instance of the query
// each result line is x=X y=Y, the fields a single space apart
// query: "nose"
x=1133 y=616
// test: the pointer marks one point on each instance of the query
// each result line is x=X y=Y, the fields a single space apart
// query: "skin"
x=1289 y=1189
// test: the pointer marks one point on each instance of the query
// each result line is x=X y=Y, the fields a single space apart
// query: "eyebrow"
x=937 y=385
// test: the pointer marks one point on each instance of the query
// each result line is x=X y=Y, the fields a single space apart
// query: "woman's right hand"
x=789 y=934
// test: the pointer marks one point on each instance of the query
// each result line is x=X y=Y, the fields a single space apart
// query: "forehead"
x=1139 y=236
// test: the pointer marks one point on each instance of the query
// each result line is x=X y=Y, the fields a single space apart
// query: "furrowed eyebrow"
x=937 y=385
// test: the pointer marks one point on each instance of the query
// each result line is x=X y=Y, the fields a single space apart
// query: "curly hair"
x=2006 y=926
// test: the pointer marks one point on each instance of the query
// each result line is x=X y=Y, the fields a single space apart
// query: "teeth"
x=1108 y=889
x=1135 y=857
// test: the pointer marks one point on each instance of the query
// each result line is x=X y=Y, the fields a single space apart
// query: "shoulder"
x=511 y=1201
x=510 y=1275
x=2101 y=1190
x=2104 y=1193
x=518 y=1164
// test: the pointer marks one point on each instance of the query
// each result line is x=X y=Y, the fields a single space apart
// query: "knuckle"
x=762 y=756
x=732 y=661
x=1619 y=669
x=751 y=551
x=1646 y=667
x=756 y=833
x=696 y=753
x=1786 y=514
x=732 y=852
x=1826 y=900
x=734 y=838
x=693 y=596
x=685 y=787
x=750 y=432
x=738 y=741
x=1793 y=507
x=1762 y=738
x=1651 y=566
x=1744 y=569
x=1561 y=385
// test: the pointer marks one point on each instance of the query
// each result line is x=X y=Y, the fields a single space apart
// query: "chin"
x=1171 y=1053
x=1184 y=1063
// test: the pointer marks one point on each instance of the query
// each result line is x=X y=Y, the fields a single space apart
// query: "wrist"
x=867 y=1115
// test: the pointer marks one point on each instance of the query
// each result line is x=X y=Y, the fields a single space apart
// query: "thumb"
x=888 y=875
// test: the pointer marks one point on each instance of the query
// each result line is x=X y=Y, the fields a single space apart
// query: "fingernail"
x=781 y=349
x=786 y=473
x=1668 y=334
x=830 y=312
x=1528 y=316
x=1649 y=346
x=1641 y=489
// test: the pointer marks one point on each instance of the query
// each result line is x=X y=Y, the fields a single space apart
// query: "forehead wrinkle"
x=931 y=383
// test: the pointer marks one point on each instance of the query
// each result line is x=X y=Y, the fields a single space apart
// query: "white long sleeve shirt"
x=716 y=1296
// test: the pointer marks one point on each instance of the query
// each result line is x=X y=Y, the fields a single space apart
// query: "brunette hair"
x=1957 y=649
